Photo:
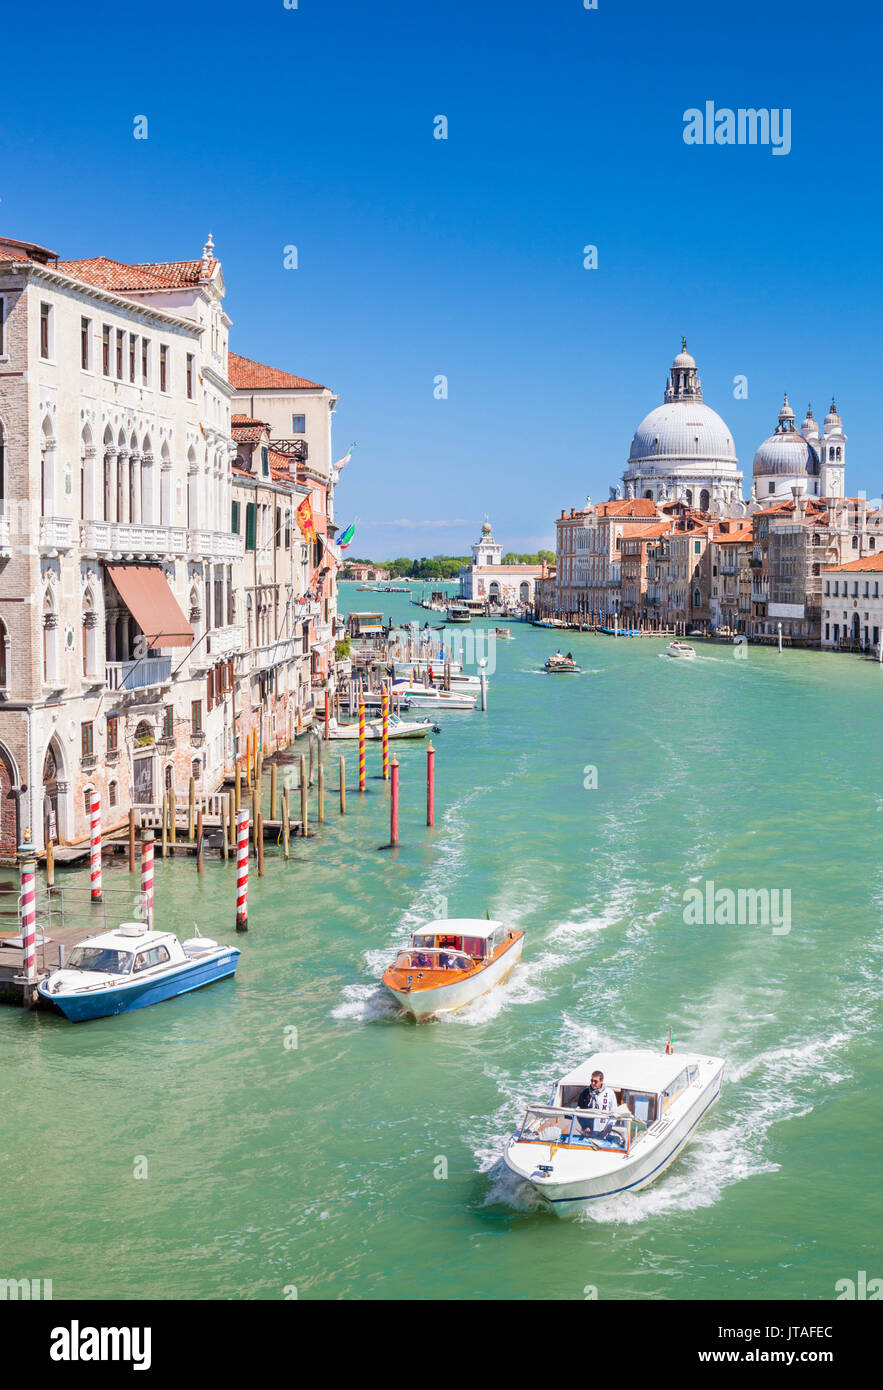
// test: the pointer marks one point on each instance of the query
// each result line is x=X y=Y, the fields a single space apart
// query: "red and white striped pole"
x=394 y=804
x=430 y=785
x=28 y=919
x=385 y=731
x=95 y=847
x=361 y=743
x=242 y=820
x=147 y=878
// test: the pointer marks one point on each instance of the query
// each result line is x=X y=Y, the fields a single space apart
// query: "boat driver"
x=597 y=1096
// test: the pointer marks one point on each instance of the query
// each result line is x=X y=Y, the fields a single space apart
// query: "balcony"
x=56 y=534
x=263 y=658
x=215 y=545
x=138 y=675
x=125 y=538
x=220 y=641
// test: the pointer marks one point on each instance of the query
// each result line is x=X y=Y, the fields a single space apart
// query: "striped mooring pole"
x=95 y=847
x=361 y=743
x=147 y=878
x=28 y=920
x=430 y=785
x=384 y=701
x=394 y=804
x=242 y=871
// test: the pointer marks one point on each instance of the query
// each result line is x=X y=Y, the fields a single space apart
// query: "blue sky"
x=420 y=257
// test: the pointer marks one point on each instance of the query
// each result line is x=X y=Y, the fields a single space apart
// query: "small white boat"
x=503 y=634
x=585 y=1146
x=432 y=697
x=559 y=665
x=396 y=728
x=449 y=963
x=118 y=971
x=680 y=649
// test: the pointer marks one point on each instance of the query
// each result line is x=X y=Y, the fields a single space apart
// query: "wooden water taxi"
x=450 y=963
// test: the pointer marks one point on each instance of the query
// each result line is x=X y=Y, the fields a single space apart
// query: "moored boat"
x=431 y=697
x=396 y=728
x=458 y=613
x=131 y=967
x=680 y=649
x=449 y=963
x=600 y=1140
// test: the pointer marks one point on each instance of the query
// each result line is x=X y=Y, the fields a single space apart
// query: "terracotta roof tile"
x=870 y=563
x=247 y=375
x=118 y=277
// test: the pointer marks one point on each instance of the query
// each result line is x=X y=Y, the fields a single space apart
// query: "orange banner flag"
x=304 y=515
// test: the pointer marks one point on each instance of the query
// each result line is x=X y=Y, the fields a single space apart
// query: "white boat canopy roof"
x=129 y=936
x=640 y=1069
x=460 y=926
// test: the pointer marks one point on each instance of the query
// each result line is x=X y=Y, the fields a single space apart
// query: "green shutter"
x=234 y=525
x=250 y=525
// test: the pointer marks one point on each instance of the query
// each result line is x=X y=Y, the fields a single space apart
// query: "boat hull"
x=121 y=999
x=423 y=1004
x=570 y=1193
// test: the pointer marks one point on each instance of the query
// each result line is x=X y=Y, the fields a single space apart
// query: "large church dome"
x=684 y=431
x=683 y=435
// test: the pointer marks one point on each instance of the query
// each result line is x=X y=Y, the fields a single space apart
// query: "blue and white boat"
x=132 y=967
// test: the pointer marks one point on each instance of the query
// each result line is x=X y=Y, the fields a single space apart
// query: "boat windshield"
x=581 y=1128
x=100 y=958
x=469 y=945
x=432 y=960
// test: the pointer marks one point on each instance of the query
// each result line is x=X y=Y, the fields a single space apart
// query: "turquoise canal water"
x=321 y=1166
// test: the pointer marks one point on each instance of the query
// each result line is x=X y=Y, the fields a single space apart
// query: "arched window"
x=689 y=497
x=2 y=468
x=47 y=472
x=90 y=636
x=704 y=500
x=112 y=795
x=50 y=637
x=697 y=599
x=855 y=542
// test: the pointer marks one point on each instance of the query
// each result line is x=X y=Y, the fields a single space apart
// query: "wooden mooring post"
x=199 y=841
x=131 y=840
x=272 y=791
x=342 y=785
x=165 y=825
x=304 y=795
x=259 y=821
x=286 y=824
x=191 y=807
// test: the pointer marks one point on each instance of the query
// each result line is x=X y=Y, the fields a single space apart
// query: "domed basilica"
x=683 y=452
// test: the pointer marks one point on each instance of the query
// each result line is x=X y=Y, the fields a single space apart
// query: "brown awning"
x=145 y=591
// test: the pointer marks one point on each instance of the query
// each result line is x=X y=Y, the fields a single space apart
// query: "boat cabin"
x=644 y=1081
x=130 y=950
x=470 y=937
x=364 y=624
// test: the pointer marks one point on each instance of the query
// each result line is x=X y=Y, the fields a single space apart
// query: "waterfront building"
x=140 y=638
x=729 y=577
x=588 y=543
x=683 y=451
x=852 y=604
x=636 y=545
x=365 y=574
x=115 y=462
x=271 y=581
x=499 y=585
x=298 y=413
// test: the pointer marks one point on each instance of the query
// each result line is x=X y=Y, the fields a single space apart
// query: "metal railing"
x=136 y=675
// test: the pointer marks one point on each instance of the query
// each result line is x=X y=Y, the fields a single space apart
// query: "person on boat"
x=569 y=656
x=597 y=1096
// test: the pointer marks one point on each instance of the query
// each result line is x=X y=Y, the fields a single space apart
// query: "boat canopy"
x=639 y=1069
x=432 y=958
x=459 y=926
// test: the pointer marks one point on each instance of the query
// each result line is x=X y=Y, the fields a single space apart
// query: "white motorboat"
x=449 y=963
x=396 y=728
x=415 y=695
x=458 y=613
x=574 y=1154
x=680 y=649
